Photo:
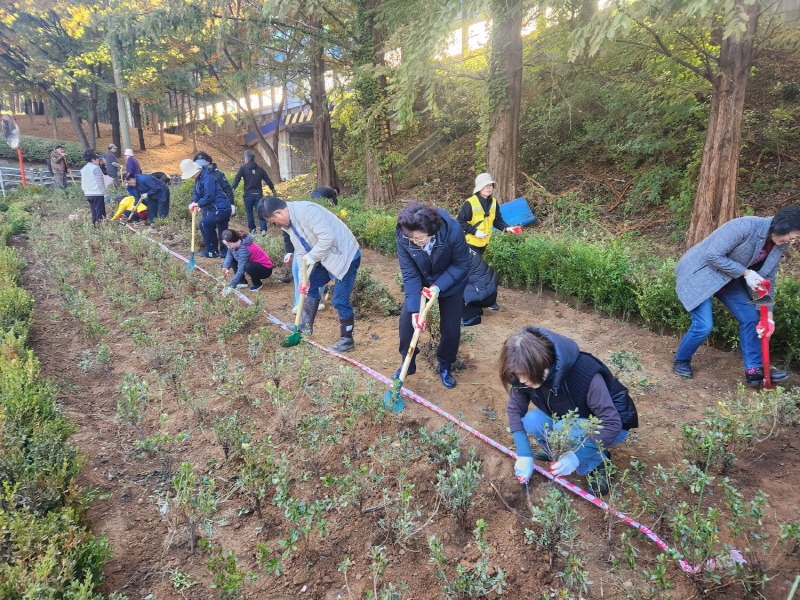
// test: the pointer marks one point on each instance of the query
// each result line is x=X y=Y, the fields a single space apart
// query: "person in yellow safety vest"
x=126 y=205
x=480 y=213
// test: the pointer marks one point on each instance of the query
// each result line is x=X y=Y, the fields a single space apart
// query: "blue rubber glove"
x=523 y=468
x=566 y=465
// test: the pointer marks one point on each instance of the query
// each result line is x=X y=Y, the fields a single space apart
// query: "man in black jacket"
x=253 y=176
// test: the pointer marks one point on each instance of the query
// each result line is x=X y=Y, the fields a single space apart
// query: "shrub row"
x=48 y=552
x=608 y=275
x=39 y=149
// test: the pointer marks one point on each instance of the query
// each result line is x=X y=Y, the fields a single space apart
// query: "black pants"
x=97 y=204
x=475 y=309
x=449 y=330
x=479 y=250
x=257 y=271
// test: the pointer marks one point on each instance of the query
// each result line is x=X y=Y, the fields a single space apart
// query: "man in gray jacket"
x=93 y=185
x=735 y=259
x=321 y=239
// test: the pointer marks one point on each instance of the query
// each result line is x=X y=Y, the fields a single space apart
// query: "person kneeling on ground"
x=549 y=370
x=481 y=290
x=434 y=261
x=154 y=190
x=245 y=256
x=734 y=259
x=127 y=206
x=321 y=239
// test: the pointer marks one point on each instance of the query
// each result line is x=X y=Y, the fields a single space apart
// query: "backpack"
x=222 y=181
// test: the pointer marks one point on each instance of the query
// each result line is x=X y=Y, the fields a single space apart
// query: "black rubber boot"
x=310 y=308
x=346 y=341
x=446 y=376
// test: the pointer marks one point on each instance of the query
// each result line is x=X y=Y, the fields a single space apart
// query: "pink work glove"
x=226 y=273
x=417 y=323
x=514 y=229
x=431 y=292
x=193 y=207
x=766 y=331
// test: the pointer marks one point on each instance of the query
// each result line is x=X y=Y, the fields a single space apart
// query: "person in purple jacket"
x=549 y=370
x=132 y=166
x=246 y=257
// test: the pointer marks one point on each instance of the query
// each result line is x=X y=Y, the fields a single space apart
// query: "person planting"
x=321 y=239
x=246 y=257
x=213 y=203
x=152 y=191
x=547 y=369
x=735 y=259
x=434 y=261
x=126 y=206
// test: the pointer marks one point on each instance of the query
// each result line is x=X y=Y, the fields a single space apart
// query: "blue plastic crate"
x=517 y=212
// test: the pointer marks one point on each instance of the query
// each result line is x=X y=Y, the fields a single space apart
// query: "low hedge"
x=39 y=149
x=48 y=550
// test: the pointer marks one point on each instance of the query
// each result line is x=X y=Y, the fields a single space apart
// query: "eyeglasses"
x=516 y=384
x=419 y=240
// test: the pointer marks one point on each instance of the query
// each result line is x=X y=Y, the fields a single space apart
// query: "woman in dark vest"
x=481 y=290
x=549 y=370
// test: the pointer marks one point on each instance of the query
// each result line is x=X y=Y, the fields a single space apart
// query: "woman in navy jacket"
x=434 y=260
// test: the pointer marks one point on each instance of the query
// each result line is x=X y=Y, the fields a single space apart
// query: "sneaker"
x=254 y=288
x=494 y=306
x=683 y=368
x=321 y=306
x=755 y=377
x=471 y=322
x=205 y=254
x=597 y=480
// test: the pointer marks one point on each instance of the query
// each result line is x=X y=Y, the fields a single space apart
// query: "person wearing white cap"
x=479 y=214
x=214 y=204
x=132 y=166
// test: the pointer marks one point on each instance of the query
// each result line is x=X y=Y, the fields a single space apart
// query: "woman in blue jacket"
x=214 y=204
x=434 y=260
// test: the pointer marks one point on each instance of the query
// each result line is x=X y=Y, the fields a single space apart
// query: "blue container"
x=517 y=212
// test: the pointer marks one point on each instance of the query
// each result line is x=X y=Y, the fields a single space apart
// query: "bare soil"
x=148 y=552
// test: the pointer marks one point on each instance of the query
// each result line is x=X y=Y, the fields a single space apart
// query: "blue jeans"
x=213 y=223
x=250 y=203
x=737 y=300
x=341 y=291
x=536 y=423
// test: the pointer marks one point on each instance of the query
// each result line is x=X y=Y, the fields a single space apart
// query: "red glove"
x=514 y=229
x=226 y=273
x=431 y=292
x=766 y=331
x=303 y=288
x=415 y=321
x=193 y=207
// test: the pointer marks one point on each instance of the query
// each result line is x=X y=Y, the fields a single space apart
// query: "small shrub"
x=372 y=297
x=556 y=523
x=457 y=488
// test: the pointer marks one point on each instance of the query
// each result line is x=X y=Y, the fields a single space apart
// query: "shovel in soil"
x=391 y=399
x=191 y=265
x=296 y=337
x=764 y=303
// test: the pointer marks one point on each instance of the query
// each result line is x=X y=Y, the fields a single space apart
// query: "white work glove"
x=193 y=207
x=415 y=321
x=523 y=468
x=287 y=258
x=566 y=465
x=753 y=280
x=480 y=234
x=515 y=229
x=431 y=292
x=309 y=261
x=143 y=197
x=767 y=331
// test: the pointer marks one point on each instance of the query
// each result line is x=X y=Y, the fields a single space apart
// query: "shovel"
x=296 y=337
x=391 y=399
x=764 y=303
x=191 y=264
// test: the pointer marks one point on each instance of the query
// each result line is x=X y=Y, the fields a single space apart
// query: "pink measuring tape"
x=735 y=555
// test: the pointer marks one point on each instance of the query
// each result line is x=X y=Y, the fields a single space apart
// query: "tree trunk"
x=55 y=119
x=92 y=116
x=715 y=200
x=505 y=92
x=182 y=116
x=115 y=50
x=323 y=138
x=136 y=111
x=113 y=116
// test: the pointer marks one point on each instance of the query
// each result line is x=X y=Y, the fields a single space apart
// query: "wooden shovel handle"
x=425 y=307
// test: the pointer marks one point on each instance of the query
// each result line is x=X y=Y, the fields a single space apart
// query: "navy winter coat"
x=482 y=279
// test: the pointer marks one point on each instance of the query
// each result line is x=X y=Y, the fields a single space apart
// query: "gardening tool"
x=296 y=337
x=191 y=264
x=391 y=399
x=135 y=206
x=764 y=303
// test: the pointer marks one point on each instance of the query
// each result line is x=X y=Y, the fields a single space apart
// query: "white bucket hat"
x=189 y=168
x=128 y=152
x=481 y=181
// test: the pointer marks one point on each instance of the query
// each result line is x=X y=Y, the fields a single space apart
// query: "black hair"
x=232 y=235
x=130 y=176
x=268 y=205
x=162 y=177
x=202 y=155
x=90 y=155
x=786 y=220
x=419 y=217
